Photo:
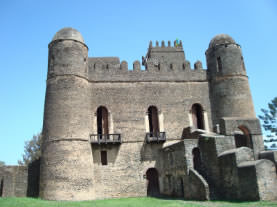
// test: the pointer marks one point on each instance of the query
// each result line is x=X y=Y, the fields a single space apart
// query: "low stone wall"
x=196 y=187
x=20 y=181
x=229 y=179
x=258 y=180
x=14 y=181
x=269 y=155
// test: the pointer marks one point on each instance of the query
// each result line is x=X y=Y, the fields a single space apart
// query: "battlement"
x=110 y=69
x=177 y=44
x=160 y=53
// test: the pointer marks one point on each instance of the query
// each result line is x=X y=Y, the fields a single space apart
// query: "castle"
x=110 y=131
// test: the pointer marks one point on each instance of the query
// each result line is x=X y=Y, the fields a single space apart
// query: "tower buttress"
x=66 y=164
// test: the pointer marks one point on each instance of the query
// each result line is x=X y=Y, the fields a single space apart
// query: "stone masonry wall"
x=127 y=104
x=15 y=181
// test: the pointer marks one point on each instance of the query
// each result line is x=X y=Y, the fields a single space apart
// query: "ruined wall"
x=15 y=181
x=228 y=127
x=173 y=169
x=20 y=181
x=243 y=178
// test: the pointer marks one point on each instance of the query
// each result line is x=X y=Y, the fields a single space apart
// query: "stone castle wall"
x=127 y=104
x=74 y=166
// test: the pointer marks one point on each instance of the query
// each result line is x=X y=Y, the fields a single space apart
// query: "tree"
x=273 y=145
x=269 y=119
x=31 y=150
x=2 y=163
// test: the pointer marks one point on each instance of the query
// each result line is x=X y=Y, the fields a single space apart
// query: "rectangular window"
x=104 y=159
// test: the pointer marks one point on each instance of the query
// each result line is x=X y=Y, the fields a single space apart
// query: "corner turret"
x=229 y=86
x=231 y=100
x=66 y=162
x=68 y=54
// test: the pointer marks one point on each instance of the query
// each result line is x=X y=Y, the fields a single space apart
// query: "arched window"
x=197 y=116
x=102 y=121
x=243 y=139
x=196 y=159
x=153 y=121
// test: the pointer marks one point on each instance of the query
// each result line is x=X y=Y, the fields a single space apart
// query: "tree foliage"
x=32 y=150
x=2 y=163
x=269 y=119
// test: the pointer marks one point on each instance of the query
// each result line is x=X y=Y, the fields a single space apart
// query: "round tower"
x=66 y=163
x=229 y=88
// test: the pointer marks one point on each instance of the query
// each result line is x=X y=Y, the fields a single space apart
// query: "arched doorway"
x=152 y=177
x=153 y=121
x=197 y=116
x=197 y=163
x=1 y=187
x=102 y=122
x=243 y=138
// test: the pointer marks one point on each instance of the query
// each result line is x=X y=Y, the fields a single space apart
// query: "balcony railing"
x=105 y=139
x=155 y=137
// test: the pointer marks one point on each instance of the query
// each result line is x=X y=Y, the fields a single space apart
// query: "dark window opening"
x=197 y=116
x=104 y=159
x=153 y=182
x=243 y=139
x=197 y=163
x=219 y=64
x=1 y=187
x=242 y=63
x=153 y=121
x=102 y=121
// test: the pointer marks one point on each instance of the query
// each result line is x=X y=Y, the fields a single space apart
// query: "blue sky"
x=124 y=29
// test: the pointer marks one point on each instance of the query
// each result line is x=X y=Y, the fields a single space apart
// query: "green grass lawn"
x=130 y=202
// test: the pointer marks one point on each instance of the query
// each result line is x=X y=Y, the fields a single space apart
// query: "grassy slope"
x=124 y=202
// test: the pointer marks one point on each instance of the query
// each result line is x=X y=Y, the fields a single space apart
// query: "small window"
x=104 y=159
x=242 y=63
x=219 y=64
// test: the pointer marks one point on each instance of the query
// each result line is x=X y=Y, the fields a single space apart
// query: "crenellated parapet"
x=163 y=62
x=177 y=44
x=112 y=70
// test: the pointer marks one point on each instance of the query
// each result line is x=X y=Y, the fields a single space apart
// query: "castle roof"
x=221 y=39
x=68 y=33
